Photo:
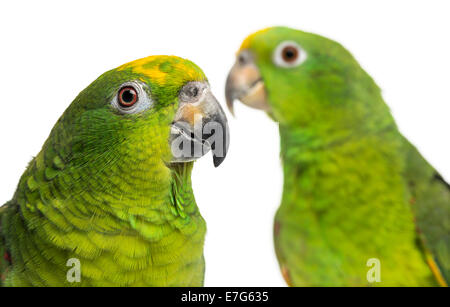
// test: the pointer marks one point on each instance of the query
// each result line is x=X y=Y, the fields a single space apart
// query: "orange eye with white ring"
x=127 y=97
x=132 y=97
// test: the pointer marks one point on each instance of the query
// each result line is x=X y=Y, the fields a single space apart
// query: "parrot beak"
x=245 y=83
x=199 y=125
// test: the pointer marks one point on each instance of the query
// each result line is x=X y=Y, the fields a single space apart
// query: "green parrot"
x=360 y=205
x=108 y=200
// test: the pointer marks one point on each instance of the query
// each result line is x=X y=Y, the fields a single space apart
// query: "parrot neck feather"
x=134 y=217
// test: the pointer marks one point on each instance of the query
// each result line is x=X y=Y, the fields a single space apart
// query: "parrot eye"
x=127 y=96
x=131 y=98
x=289 y=54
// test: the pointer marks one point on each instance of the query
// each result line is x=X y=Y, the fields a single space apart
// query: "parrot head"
x=301 y=79
x=158 y=108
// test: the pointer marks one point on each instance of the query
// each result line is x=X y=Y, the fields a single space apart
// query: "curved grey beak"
x=200 y=125
x=245 y=83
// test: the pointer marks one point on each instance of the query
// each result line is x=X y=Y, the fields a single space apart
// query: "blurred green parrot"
x=108 y=200
x=360 y=205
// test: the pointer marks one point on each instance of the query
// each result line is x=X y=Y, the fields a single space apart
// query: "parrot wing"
x=430 y=201
x=5 y=260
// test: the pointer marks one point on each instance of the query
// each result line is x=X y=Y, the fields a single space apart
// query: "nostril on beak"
x=241 y=59
x=193 y=91
x=244 y=58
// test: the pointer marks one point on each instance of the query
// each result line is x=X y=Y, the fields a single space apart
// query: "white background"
x=50 y=51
